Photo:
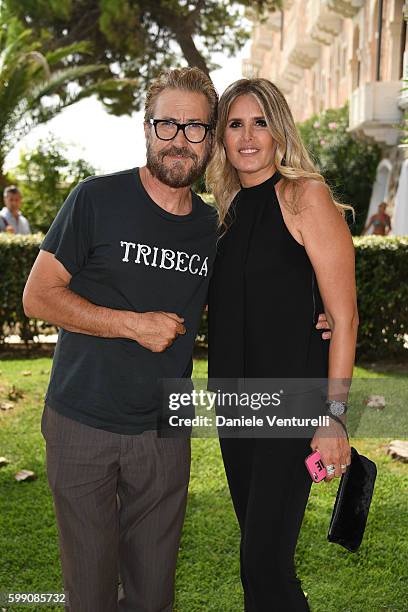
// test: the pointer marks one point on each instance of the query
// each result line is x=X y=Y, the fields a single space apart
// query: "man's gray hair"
x=185 y=79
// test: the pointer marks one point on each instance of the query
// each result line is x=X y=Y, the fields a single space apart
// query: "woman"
x=285 y=253
x=381 y=222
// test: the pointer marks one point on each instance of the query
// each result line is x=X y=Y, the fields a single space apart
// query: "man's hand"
x=323 y=324
x=10 y=229
x=157 y=331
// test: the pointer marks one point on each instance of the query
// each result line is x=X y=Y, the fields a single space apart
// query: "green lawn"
x=373 y=580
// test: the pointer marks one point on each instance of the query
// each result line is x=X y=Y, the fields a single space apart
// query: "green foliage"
x=199 y=185
x=35 y=84
x=45 y=177
x=17 y=255
x=381 y=272
x=348 y=165
x=381 y=264
x=137 y=39
x=207 y=580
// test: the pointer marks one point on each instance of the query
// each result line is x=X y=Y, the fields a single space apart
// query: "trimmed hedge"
x=381 y=271
x=382 y=286
x=17 y=255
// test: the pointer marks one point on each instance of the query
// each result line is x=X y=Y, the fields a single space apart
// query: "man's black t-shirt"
x=125 y=252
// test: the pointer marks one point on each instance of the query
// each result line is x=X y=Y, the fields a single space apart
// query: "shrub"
x=381 y=264
x=45 y=177
x=348 y=165
x=381 y=272
x=17 y=255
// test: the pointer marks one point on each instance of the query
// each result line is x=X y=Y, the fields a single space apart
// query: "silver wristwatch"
x=336 y=407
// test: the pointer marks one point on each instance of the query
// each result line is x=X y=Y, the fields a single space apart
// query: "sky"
x=110 y=143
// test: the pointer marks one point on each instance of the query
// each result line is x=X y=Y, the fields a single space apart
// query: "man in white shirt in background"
x=11 y=219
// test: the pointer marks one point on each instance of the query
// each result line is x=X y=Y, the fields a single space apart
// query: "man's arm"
x=47 y=296
x=4 y=226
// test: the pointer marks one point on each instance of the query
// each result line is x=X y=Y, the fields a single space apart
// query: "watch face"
x=337 y=408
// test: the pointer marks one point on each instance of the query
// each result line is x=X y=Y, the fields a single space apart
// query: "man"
x=124 y=271
x=11 y=219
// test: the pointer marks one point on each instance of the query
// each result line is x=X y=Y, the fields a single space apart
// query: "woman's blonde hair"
x=291 y=157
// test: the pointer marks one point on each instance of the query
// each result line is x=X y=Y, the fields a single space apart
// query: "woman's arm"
x=328 y=243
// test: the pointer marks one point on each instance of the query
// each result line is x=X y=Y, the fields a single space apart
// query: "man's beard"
x=177 y=175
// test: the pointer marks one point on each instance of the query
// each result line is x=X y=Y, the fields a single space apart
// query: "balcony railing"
x=345 y=8
x=250 y=68
x=304 y=53
x=374 y=111
x=324 y=24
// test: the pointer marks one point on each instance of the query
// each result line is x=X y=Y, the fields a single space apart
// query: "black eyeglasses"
x=167 y=130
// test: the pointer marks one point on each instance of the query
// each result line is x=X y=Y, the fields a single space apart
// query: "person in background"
x=11 y=219
x=381 y=222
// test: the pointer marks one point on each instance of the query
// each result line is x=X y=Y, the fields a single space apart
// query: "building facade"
x=324 y=53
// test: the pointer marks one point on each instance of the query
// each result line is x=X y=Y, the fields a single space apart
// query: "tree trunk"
x=3 y=179
x=190 y=51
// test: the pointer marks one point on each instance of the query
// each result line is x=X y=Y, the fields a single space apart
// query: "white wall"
x=400 y=220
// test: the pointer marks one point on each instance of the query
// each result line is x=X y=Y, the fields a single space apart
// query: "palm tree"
x=34 y=86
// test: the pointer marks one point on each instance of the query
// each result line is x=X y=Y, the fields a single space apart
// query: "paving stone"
x=25 y=475
x=398 y=449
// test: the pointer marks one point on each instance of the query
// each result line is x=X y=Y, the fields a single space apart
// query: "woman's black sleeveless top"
x=263 y=300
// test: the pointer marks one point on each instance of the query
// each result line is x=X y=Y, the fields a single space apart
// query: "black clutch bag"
x=352 y=503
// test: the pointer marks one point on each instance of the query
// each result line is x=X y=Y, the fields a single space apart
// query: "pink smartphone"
x=315 y=466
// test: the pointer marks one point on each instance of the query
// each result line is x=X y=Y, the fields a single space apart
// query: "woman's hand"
x=333 y=446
